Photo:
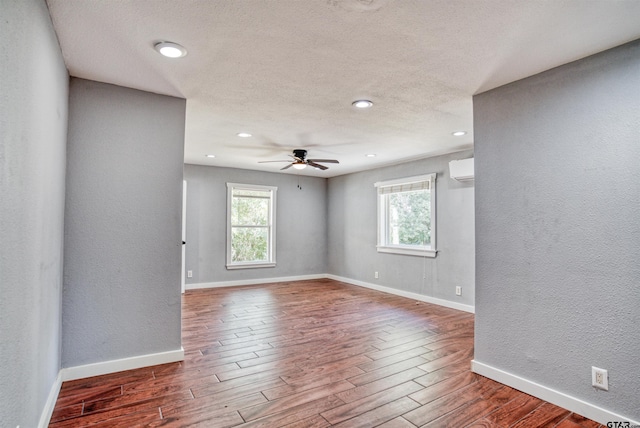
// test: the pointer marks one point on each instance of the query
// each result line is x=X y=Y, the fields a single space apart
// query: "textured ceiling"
x=287 y=71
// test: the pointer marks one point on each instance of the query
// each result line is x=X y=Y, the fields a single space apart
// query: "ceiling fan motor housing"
x=300 y=154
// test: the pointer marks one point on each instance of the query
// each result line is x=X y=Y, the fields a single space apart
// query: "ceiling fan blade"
x=274 y=161
x=286 y=167
x=316 y=165
x=323 y=160
x=297 y=159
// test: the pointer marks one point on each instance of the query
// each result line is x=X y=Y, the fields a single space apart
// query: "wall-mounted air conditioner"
x=461 y=170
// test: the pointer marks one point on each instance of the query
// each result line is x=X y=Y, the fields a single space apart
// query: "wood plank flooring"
x=310 y=354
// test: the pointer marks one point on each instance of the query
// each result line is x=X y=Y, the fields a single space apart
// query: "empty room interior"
x=348 y=213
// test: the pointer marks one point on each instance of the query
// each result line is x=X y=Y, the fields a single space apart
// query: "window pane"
x=250 y=211
x=409 y=221
x=251 y=226
x=249 y=244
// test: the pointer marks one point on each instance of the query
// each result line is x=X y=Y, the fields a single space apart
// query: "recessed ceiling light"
x=243 y=134
x=210 y=156
x=370 y=155
x=459 y=133
x=170 y=49
x=362 y=104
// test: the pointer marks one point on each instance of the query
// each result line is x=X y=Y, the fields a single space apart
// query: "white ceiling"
x=287 y=71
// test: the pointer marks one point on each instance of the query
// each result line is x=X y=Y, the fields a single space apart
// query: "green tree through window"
x=410 y=218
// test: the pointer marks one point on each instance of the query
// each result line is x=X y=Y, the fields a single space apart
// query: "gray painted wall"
x=557 y=230
x=33 y=127
x=122 y=253
x=301 y=224
x=353 y=224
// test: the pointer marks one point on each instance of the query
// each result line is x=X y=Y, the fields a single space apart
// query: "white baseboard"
x=558 y=398
x=113 y=366
x=407 y=294
x=47 y=411
x=252 y=281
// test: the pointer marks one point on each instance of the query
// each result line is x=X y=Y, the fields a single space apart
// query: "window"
x=407 y=216
x=251 y=212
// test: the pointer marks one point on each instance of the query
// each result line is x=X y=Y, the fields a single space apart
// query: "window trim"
x=272 y=227
x=382 y=245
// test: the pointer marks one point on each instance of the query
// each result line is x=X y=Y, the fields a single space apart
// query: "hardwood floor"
x=310 y=354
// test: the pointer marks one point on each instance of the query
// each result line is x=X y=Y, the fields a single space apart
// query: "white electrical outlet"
x=189 y=274
x=458 y=291
x=600 y=378
x=375 y=274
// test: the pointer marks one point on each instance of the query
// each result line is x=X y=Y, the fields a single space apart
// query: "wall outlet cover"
x=599 y=378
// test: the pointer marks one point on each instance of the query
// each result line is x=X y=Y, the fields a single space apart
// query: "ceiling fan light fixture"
x=170 y=49
x=362 y=104
x=299 y=165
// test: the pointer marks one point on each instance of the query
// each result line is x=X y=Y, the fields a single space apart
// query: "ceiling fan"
x=300 y=161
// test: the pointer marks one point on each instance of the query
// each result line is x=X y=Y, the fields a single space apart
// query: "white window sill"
x=407 y=251
x=250 y=265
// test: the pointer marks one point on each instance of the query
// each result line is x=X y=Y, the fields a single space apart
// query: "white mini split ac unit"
x=461 y=170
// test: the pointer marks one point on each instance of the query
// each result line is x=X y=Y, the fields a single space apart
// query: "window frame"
x=383 y=245
x=271 y=226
